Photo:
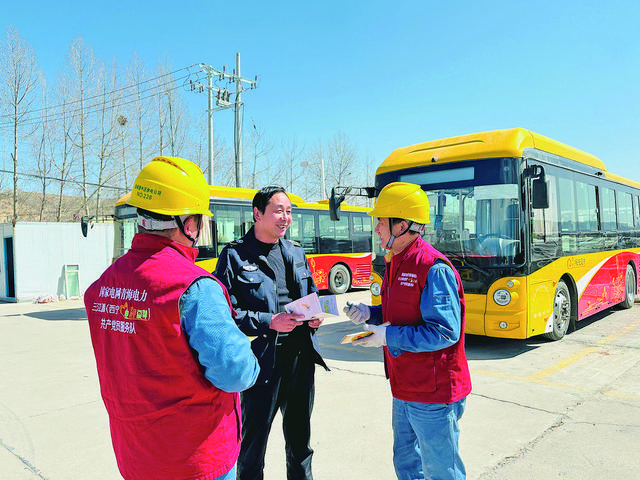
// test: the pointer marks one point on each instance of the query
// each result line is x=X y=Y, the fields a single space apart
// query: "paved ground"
x=539 y=410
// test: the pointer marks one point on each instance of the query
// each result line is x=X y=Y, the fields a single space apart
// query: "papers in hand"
x=312 y=306
x=355 y=336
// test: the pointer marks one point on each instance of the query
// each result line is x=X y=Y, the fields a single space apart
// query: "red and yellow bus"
x=542 y=234
x=339 y=253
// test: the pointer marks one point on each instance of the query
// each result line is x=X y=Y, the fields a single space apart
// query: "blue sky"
x=385 y=74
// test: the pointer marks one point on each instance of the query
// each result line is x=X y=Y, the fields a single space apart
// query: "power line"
x=45 y=177
x=104 y=95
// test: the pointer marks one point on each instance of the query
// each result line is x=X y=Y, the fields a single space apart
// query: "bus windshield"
x=476 y=210
x=480 y=221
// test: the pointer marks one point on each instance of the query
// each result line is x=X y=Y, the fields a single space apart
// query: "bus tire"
x=339 y=279
x=561 y=312
x=629 y=288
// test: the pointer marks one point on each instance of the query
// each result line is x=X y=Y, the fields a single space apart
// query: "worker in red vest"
x=169 y=355
x=420 y=325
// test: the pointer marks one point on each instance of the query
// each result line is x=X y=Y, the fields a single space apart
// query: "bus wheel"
x=629 y=288
x=339 y=279
x=561 y=312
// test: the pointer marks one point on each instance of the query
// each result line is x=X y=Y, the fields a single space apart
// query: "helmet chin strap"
x=393 y=237
x=180 y=221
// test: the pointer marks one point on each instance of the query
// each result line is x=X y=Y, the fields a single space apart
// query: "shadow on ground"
x=61 y=314
x=491 y=348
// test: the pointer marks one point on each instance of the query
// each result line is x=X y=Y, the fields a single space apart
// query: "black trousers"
x=291 y=390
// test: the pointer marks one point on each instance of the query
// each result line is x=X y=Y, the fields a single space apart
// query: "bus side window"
x=608 y=221
x=624 y=203
x=589 y=239
x=334 y=236
x=361 y=232
x=636 y=216
x=303 y=231
x=228 y=225
x=568 y=222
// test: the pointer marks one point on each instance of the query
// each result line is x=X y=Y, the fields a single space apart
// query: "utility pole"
x=223 y=101
x=237 y=135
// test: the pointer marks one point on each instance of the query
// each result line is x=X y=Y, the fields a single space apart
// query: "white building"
x=40 y=259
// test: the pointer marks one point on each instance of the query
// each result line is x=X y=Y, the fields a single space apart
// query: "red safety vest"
x=167 y=420
x=428 y=377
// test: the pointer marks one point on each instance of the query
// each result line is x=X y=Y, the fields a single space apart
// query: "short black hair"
x=262 y=196
x=154 y=215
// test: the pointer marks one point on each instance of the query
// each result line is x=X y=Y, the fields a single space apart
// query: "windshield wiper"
x=464 y=262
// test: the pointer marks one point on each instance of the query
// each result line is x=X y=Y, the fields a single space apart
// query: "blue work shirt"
x=223 y=350
x=440 y=308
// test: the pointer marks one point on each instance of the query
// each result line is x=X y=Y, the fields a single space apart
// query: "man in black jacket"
x=263 y=272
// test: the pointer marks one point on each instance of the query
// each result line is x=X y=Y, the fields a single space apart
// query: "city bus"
x=541 y=233
x=339 y=253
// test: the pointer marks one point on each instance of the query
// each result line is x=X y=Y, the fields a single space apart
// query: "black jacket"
x=251 y=283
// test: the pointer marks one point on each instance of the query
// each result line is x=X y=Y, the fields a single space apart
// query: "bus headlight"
x=375 y=289
x=502 y=297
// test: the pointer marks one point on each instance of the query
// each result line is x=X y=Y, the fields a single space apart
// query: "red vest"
x=428 y=377
x=167 y=420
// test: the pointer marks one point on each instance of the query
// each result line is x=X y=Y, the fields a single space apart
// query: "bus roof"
x=493 y=144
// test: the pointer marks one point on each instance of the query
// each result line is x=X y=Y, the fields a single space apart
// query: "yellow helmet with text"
x=402 y=200
x=171 y=186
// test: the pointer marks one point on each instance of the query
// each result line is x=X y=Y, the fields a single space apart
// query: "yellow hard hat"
x=171 y=186
x=402 y=200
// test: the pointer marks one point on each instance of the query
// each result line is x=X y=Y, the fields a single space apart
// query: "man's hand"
x=378 y=339
x=285 y=322
x=358 y=314
x=316 y=322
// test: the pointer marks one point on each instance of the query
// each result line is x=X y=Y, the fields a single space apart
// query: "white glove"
x=357 y=313
x=378 y=339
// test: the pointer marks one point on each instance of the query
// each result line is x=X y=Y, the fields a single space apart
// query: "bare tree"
x=161 y=110
x=198 y=152
x=63 y=159
x=336 y=161
x=81 y=63
x=106 y=133
x=294 y=167
x=42 y=149
x=140 y=120
x=259 y=150
x=19 y=72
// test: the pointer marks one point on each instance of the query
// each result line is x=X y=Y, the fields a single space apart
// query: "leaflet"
x=312 y=306
x=355 y=336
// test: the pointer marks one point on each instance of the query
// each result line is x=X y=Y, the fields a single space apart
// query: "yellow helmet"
x=402 y=200
x=171 y=186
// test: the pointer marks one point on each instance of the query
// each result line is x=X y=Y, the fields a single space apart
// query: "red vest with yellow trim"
x=428 y=377
x=167 y=420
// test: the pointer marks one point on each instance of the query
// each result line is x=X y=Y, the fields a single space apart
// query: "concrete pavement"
x=539 y=410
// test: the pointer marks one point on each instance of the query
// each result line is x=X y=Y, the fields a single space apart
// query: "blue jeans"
x=425 y=440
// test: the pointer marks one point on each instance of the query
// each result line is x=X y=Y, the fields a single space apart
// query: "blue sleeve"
x=223 y=350
x=440 y=307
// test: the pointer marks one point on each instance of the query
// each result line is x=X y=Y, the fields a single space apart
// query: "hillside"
x=30 y=204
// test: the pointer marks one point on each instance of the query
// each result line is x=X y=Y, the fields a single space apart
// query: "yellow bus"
x=339 y=253
x=542 y=234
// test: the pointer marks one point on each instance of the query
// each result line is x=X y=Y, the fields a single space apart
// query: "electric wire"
x=157 y=90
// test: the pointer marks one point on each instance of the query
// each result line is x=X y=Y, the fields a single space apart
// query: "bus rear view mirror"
x=539 y=193
x=84 y=225
x=334 y=205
